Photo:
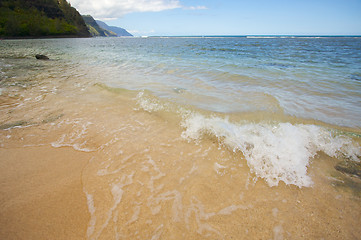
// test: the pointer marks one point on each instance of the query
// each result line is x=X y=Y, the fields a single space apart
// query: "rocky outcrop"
x=41 y=57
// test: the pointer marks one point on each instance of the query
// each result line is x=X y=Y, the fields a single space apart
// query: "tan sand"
x=142 y=180
x=41 y=193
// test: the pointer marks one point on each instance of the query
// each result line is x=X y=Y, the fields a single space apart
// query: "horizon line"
x=256 y=35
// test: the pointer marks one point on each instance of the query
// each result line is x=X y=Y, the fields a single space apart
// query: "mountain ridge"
x=118 y=30
x=95 y=30
x=40 y=18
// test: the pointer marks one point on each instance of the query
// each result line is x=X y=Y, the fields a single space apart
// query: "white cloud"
x=196 y=8
x=118 y=8
x=111 y=9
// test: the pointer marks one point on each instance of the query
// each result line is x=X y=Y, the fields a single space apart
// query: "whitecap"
x=274 y=152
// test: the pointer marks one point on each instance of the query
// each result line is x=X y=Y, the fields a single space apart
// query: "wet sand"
x=42 y=194
x=97 y=166
x=42 y=197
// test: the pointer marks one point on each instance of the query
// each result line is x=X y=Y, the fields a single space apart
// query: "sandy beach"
x=150 y=183
x=42 y=197
x=42 y=194
x=87 y=153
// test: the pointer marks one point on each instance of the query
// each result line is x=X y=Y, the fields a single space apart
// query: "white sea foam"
x=91 y=208
x=77 y=146
x=76 y=138
x=274 y=152
x=278 y=232
x=197 y=209
x=220 y=169
x=158 y=232
x=148 y=104
x=177 y=208
x=117 y=192
x=230 y=209
x=135 y=215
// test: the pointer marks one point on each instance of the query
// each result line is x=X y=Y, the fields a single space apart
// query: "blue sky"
x=233 y=17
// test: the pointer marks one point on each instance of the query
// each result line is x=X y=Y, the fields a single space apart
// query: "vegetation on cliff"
x=40 y=18
x=95 y=30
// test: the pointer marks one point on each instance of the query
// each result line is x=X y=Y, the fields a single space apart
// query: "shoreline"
x=42 y=193
x=142 y=181
x=84 y=159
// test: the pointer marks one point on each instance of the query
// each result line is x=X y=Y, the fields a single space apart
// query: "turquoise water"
x=195 y=138
x=310 y=78
x=265 y=98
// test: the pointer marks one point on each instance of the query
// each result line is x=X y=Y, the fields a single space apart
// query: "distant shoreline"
x=258 y=36
x=195 y=36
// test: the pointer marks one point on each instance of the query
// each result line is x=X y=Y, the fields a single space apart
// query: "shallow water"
x=196 y=137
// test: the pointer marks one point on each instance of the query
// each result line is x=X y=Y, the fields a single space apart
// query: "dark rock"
x=41 y=57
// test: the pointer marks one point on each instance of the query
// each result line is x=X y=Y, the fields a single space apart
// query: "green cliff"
x=40 y=18
x=95 y=30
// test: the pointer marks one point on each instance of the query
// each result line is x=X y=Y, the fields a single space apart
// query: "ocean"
x=197 y=137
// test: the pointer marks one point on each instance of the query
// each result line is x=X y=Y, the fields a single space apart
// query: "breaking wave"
x=278 y=151
x=274 y=152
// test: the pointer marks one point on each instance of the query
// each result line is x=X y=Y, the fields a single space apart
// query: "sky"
x=227 y=17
